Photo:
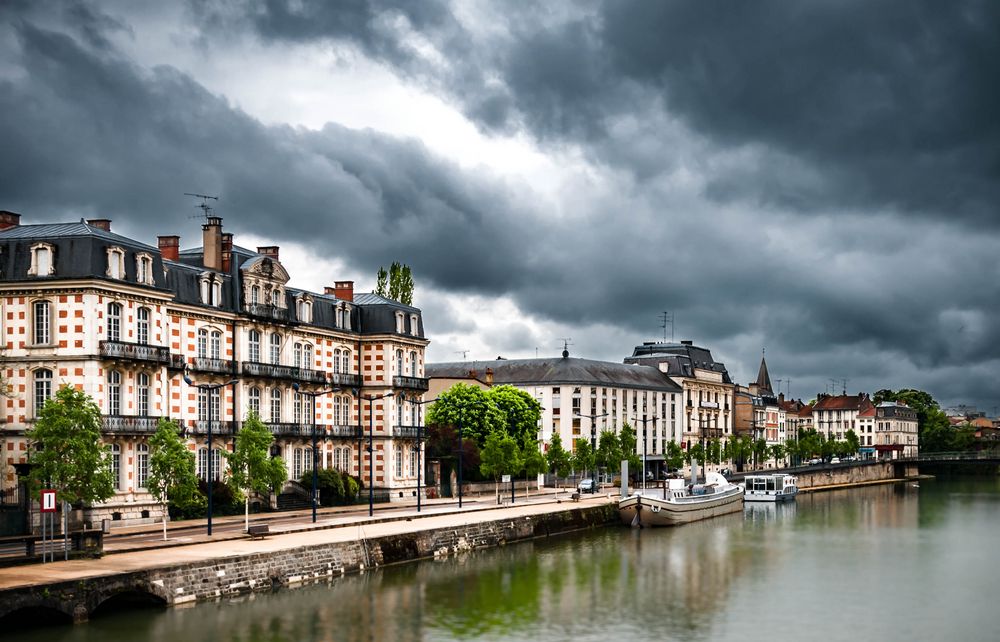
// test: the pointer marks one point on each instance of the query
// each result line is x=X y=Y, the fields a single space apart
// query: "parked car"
x=815 y=461
x=835 y=460
x=587 y=486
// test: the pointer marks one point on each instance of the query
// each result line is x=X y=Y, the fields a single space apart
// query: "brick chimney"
x=100 y=223
x=227 y=251
x=489 y=376
x=170 y=247
x=270 y=251
x=212 y=243
x=9 y=219
x=344 y=290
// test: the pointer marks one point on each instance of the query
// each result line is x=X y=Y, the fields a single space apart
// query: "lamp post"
x=593 y=428
x=371 y=449
x=312 y=395
x=420 y=441
x=209 y=388
x=644 y=420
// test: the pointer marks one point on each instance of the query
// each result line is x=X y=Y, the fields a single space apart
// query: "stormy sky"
x=820 y=179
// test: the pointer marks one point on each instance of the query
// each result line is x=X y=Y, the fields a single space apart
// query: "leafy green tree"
x=777 y=453
x=629 y=443
x=499 y=456
x=520 y=410
x=583 y=455
x=396 y=284
x=714 y=451
x=759 y=447
x=609 y=451
x=172 y=477
x=740 y=451
x=794 y=451
x=674 y=456
x=471 y=408
x=382 y=283
x=533 y=462
x=71 y=458
x=251 y=466
x=557 y=457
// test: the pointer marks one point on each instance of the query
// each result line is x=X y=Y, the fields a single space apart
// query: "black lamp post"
x=420 y=442
x=644 y=420
x=312 y=395
x=371 y=450
x=209 y=388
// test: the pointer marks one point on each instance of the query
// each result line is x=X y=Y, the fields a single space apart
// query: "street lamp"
x=593 y=428
x=371 y=450
x=209 y=388
x=312 y=396
x=420 y=441
x=644 y=420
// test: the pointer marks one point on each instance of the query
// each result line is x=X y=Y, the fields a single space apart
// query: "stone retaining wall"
x=848 y=474
x=232 y=576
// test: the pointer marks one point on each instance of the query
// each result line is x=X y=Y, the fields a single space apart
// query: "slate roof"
x=558 y=370
x=763 y=378
x=46 y=231
x=680 y=358
x=842 y=402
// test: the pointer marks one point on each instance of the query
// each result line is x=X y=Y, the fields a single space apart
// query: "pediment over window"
x=265 y=268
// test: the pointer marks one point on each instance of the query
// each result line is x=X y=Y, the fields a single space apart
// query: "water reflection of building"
x=769 y=511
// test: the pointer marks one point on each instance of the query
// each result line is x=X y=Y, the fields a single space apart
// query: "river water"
x=889 y=562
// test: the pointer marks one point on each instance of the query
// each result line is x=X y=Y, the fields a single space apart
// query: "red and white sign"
x=48 y=501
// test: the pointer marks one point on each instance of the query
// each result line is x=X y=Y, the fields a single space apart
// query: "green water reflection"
x=883 y=562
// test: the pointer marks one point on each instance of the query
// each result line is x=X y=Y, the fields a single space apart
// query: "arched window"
x=202 y=343
x=253 y=341
x=253 y=400
x=144 y=269
x=399 y=462
x=43 y=388
x=307 y=356
x=296 y=463
x=254 y=295
x=275 y=348
x=336 y=459
x=413 y=364
x=275 y=405
x=42 y=313
x=414 y=461
x=215 y=345
x=116 y=465
x=297 y=408
x=209 y=405
x=142 y=325
x=141 y=465
x=336 y=361
x=114 y=322
x=348 y=457
x=114 y=392
x=307 y=460
x=399 y=363
x=345 y=366
x=202 y=465
x=399 y=413
x=42 y=263
x=297 y=355
x=142 y=394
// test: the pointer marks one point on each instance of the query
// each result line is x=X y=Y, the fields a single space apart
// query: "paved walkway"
x=333 y=527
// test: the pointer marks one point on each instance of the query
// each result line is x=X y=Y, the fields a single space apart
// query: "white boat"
x=676 y=503
x=775 y=487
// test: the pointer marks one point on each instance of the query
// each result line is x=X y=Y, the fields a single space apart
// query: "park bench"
x=258 y=530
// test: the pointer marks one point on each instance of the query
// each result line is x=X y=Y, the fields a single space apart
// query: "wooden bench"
x=258 y=530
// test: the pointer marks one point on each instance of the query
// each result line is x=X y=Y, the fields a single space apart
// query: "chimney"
x=100 y=223
x=270 y=251
x=212 y=243
x=344 y=290
x=227 y=251
x=489 y=376
x=169 y=247
x=9 y=219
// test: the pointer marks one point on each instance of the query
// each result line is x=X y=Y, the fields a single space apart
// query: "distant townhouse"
x=895 y=426
x=581 y=398
x=123 y=321
x=834 y=415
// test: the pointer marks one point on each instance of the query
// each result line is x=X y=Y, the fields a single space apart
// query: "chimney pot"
x=227 y=251
x=169 y=247
x=343 y=290
x=100 y=223
x=270 y=251
x=9 y=219
x=212 y=243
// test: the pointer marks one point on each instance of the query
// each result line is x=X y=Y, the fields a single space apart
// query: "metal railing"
x=273 y=370
x=198 y=427
x=266 y=311
x=345 y=380
x=347 y=432
x=123 y=424
x=293 y=429
x=312 y=376
x=408 y=432
x=208 y=364
x=135 y=351
x=411 y=383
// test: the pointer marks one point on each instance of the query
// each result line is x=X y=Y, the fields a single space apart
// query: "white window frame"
x=253 y=345
x=114 y=321
x=274 y=351
x=116 y=263
x=144 y=269
x=114 y=393
x=141 y=465
x=253 y=400
x=275 y=405
x=116 y=464
x=41 y=312
x=42 y=380
x=215 y=344
x=142 y=316
x=142 y=394
x=42 y=260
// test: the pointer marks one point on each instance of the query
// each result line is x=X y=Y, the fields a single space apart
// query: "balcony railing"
x=197 y=427
x=273 y=370
x=347 y=432
x=345 y=380
x=207 y=364
x=266 y=311
x=136 y=352
x=293 y=430
x=408 y=432
x=312 y=376
x=411 y=383
x=129 y=425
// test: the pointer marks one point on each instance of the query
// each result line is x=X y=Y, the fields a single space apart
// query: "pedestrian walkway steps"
x=293 y=501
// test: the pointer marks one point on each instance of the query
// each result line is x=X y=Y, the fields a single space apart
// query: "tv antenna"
x=567 y=342
x=845 y=386
x=667 y=317
x=463 y=353
x=205 y=207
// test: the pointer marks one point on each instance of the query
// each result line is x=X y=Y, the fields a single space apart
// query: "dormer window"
x=144 y=269
x=42 y=263
x=116 y=263
x=303 y=309
x=399 y=323
x=211 y=289
x=413 y=324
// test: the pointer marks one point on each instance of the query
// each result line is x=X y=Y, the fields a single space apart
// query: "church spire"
x=763 y=378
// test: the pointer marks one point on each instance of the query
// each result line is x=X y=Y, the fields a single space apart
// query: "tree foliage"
x=172 y=477
x=521 y=413
x=609 y=451
x=72 y=459
x=251 y=466
x=396 y=283
x=558 y=458
x=629 y=444
x=470 y=407
x=499 y=456
x=583 y=455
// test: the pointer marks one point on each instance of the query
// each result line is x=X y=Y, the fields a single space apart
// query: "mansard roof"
x=558 y=370
x=681 y=359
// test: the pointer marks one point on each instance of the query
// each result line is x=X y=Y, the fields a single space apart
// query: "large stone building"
x=581 y=398
x=888 y=431
x=122 y=320
x=834 y=415
x=707 y=405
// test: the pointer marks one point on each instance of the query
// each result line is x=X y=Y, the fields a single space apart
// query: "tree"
x=759 y=447
x=396 y=284
x=251 y=466
x=382 y=283
x=776 y=452
x=71 y=458
x=629 y=444
x=714 y=451
x=520 y=410
x=557 y=457
x=583 y=455
x=533 y=462
x=609 y=451
x=674 y=456
x=469 y=407
x=172 y=477
x=499 y=456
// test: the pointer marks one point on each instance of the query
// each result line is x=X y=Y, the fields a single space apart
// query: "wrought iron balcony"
x=348 y=432
x=266 y=311
x=129 y=425
x=411 y=383
x=345 y=380
x=408 y=432
x=294 y=430
x=207 y=364
x=272 y=370
x=198 y=427
x=309 y=375
x=135 y=352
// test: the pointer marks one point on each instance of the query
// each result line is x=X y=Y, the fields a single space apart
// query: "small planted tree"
x=557 y=457
x=609 y=451
x=499 y=456
x=251 y=466
x=629 y=444
x=534 y=463
x=69 y=455
x=583 y=455
x=172 y=477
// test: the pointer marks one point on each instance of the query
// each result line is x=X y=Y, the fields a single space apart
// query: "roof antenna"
x=205 y=207
x=566 y=344
x=668 y=317
x=464 y=353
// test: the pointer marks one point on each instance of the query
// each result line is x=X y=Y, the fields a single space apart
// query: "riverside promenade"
x=194 y=567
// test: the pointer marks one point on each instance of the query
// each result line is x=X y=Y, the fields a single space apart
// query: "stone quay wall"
x=233 y=576
x=848 y=474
